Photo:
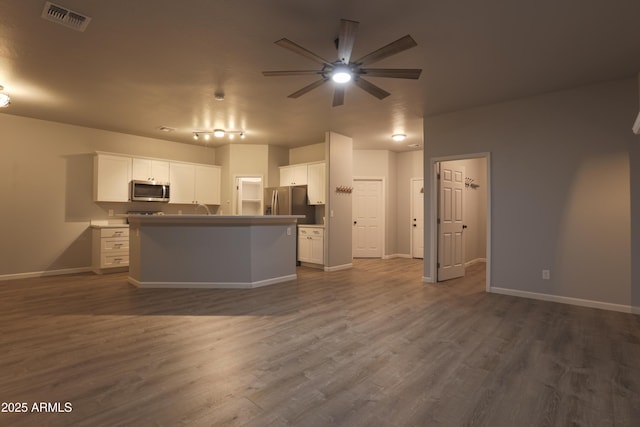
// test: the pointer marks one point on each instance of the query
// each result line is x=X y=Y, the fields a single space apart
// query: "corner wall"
x=46 y=181
x=561 y=174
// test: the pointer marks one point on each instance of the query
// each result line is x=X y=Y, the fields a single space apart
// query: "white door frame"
x=433 y=209
x=383 y=203
x=411 y=202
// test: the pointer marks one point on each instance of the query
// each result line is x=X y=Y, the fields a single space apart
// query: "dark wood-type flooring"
x=370 y=346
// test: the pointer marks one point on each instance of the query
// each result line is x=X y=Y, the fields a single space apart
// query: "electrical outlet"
x=288 y=231
x=546 y=274
x=110 y=212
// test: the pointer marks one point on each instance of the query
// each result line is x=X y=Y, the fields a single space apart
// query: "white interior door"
x=367 y=219
x=417 y=218
x=451 y=227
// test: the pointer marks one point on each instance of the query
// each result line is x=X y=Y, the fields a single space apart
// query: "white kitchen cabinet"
x=207 y=184
x=111 y=178
x=293 y=175
x=191 y=183
x=316 y=182
x=311 y=245
x=150 y=170
x=110 y=249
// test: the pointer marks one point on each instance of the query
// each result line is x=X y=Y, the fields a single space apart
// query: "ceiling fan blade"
x=338 y=96
x=294 y=47
x=371 y=88
x=290 y=73
x=346 y=39
x=308 y=88
x=402 y=44
x=396 y=73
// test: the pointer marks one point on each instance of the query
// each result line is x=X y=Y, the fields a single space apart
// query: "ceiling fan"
x=344 y=70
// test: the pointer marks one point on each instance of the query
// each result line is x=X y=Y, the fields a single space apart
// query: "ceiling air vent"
x=68 y=18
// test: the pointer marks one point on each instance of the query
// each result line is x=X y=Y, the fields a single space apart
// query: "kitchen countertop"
x=213 y=219
x=311 y=225
x=107 y=223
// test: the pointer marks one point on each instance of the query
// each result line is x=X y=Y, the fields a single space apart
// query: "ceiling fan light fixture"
x=398 y=137
x=341 y=75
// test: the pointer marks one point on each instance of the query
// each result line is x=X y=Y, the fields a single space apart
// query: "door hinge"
x=438 y=176
x=438 y=220
x=438 y=264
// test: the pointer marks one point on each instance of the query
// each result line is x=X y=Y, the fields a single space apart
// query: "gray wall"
x=561 y=173
x=339 y=155
x=46 y=176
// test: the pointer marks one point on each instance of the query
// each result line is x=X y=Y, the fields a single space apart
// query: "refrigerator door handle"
x=274 y=202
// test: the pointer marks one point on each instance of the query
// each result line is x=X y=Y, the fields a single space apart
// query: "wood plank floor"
x=370 y=346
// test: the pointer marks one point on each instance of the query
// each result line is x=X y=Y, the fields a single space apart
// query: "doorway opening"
x=248 y=195
x=460 y=206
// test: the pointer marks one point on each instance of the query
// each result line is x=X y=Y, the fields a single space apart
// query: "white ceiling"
x=142 y=64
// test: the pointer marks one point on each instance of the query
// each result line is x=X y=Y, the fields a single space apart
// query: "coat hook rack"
x=344 y=189
x=468 y=182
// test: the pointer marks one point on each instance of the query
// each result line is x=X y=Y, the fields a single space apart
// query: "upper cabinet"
x=150 y=170
x=316 y=183
x=111 y=177
x=191 y=183
x=293 y=175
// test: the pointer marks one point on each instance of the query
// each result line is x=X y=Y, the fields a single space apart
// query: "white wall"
x=307 y=154
x=339 y=155
x=46 y=177
x=560 y=176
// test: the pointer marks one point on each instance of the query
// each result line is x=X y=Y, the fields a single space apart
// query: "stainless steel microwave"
x=149 y=191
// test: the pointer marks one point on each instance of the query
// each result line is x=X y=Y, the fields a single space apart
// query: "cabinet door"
x=304 y=248
x=316 y=183
x=316 y=244
x=300 y=174
x=150 y=170
x=160 y=170
x=111 y=178
x=207 y=185
x=182 y=177
x=286 y=176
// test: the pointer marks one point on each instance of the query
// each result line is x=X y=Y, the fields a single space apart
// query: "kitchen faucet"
x=205 y=208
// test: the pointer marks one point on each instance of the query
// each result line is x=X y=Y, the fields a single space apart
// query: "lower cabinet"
x=311 y=245
x=110 y=250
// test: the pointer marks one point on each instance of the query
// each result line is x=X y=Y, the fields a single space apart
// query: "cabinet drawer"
x=113 y=260
x=308 y=231
x=114 y=232
x=113 y=244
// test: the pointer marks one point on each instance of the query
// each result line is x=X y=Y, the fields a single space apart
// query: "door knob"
x=415 y=225
x=355 y=222
x=464 y=226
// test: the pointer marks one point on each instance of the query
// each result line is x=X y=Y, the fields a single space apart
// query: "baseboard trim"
x=567 y=300
x=427 y=279
x=339 y=267
x=391 y=256
x=212 y=285
x=45 y=273
x=474 y=261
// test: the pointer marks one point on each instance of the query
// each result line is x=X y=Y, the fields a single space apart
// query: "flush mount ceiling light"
x=218 y=133
x=398 y=137
x=5 y=99
x=341 y=74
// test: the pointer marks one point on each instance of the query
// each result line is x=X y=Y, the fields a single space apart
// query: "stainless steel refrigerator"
x=289 y=201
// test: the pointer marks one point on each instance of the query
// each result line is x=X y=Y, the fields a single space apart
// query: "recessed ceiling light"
x=398 y=137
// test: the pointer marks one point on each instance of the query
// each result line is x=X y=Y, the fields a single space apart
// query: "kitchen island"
x=211 y=251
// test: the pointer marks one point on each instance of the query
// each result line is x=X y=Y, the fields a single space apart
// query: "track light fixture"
x=218 y=133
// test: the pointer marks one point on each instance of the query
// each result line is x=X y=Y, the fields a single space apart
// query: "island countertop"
x=213 y=219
